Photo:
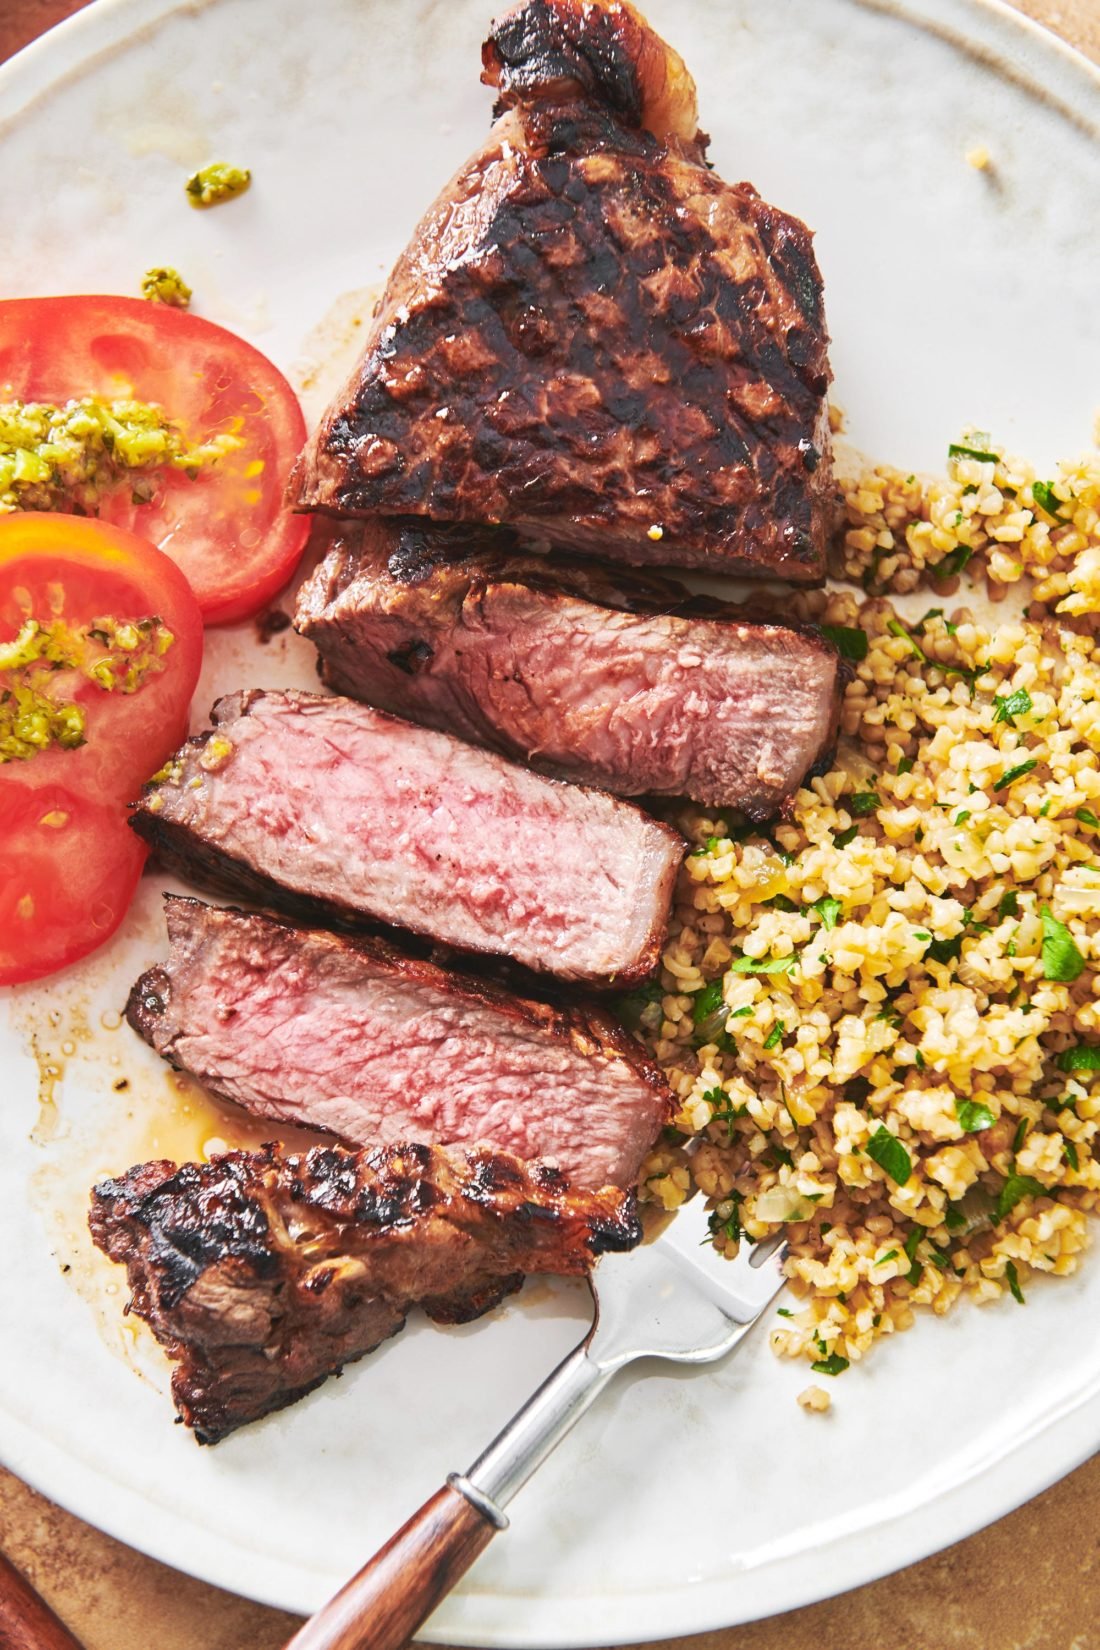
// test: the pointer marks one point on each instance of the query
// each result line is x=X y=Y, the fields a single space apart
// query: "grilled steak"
x=261 y=1274
x=591 y=337
x=319 y=805
x=622 y=681
x=376 y=1046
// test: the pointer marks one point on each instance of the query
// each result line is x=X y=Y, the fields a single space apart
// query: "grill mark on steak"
x=376 y=1046
x=262 y=1274
x=618 y=680
x=592 y=338
x=321 y=807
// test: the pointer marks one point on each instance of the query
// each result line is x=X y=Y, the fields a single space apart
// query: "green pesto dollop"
x=217 y=182
x=67 y=457
x=42 y=665
x=164 y=285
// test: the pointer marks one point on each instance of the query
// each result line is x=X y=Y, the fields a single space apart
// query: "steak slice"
x=591 y=338
x=321 y=806
x=360 y=1039
x=262 y=1274
x=623 y=681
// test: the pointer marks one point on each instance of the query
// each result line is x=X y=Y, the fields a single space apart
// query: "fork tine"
x=741 y=1287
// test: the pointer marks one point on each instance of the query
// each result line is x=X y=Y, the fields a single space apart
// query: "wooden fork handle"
x=381 y=1607
x=26 y=1621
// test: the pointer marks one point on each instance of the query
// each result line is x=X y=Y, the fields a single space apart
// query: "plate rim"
x=1010 y=44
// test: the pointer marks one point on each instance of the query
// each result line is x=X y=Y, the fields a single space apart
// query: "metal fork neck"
x=533 y=1433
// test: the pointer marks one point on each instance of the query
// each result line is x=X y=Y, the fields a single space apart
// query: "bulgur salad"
x=882 y=1017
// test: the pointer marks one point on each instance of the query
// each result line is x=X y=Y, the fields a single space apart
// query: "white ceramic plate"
x=685 y=1500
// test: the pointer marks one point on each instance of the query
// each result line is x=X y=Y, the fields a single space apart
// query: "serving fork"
x=674 y=1298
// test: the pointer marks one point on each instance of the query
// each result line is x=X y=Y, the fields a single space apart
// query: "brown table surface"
x=1029 y=1582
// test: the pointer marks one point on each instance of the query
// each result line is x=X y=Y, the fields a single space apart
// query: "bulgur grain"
x=903 y=1065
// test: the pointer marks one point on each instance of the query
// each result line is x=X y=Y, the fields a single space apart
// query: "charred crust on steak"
x=607 y=53
x=413 y=657
x=591 y=335
x=260 y=1276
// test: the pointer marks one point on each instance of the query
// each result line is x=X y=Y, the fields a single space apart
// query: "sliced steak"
x=316 y=804
x=261 y=1274
x=591 y=337
x=358 y=1038
x=625 y=681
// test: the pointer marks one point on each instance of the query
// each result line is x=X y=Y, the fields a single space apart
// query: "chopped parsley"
x=834 y=1364
x=828 y=909
x=957 y=450
x=1014 y=1282
x=775 y=1035
x=1009 y=905
x=1069 y=1152
x=1014 y=704
x=850 y=643
x=863 y=803
x=707 y=1002
x=1046 y=498
x=1081 y=1057
x=640 y=1009
x=954 y=562
x=1062 y=961
x=1013 y=774
x=728 y=1229
x=905 y=765
x=841 y=839
x=890 y=1155
x=962 y=816
x=722 y=1109
x=1087 y=817
x=945 y=951
x=896 y=628
x=764 y=965
x=1014 y=1190
x=973 y=1116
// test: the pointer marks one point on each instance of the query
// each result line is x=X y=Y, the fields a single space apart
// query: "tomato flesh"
x=228 y=528
x=69 y=861
x=71 y=866
x=77 y=570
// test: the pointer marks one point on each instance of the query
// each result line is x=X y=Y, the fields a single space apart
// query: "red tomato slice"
x=78 y=570
x=70 y=869
x=228 y=529
x=68 y=861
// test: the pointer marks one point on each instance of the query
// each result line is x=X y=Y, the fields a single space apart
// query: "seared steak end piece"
x=261 y=1274
x=591 y=338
